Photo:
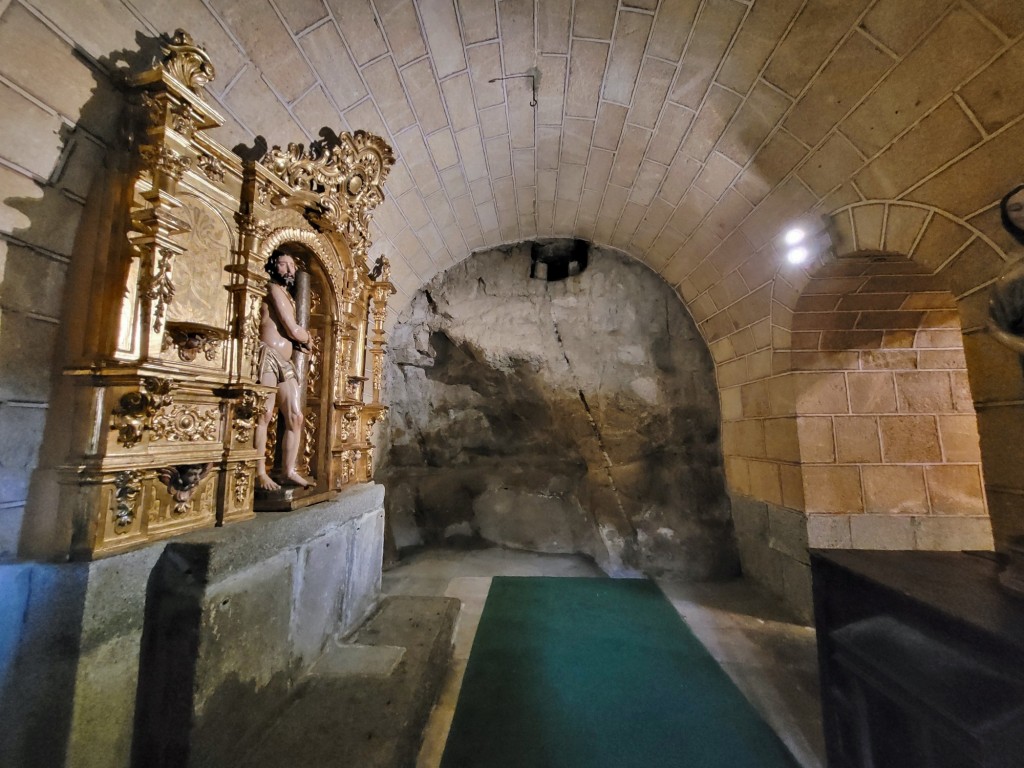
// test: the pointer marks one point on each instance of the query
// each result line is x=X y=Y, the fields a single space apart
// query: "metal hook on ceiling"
x=533 y=82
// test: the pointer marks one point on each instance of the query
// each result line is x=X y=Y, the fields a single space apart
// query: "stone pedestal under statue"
x=189 y=644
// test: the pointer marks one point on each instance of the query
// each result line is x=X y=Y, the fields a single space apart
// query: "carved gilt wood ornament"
x=337 y=181
x=161 y=388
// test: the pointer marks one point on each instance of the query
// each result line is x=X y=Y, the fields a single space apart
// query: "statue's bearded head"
x=1012 y=210
x=282 y=268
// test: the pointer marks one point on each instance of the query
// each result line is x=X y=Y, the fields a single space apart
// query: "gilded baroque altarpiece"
x=164 y=331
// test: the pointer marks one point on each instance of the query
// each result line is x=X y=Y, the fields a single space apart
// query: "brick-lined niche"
x=862 y=434
x=885 y=420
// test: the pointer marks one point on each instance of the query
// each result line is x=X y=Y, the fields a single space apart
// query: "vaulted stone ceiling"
x=685 y=132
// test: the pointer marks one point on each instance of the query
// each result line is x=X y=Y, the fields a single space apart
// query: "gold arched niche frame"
x=322 y=197
x=320 y=245
x=345 y=447
x=333 y=262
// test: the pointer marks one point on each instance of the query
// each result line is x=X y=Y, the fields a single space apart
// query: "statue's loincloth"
x=271 y=362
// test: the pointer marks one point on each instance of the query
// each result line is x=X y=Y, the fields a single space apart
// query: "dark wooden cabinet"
x=922 y=660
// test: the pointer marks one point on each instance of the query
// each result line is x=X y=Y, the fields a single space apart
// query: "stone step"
x=366 y=700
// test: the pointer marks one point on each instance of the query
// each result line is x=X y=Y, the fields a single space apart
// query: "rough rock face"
x=571 y=416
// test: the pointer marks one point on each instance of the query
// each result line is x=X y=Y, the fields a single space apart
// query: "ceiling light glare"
x=797 y=255
x=794 y=236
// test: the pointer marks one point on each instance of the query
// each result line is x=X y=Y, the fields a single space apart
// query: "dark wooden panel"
x=922 y=660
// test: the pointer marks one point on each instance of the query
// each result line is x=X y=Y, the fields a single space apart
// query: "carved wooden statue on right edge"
x=1006 y=324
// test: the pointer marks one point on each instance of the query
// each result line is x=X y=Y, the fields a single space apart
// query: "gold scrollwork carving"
x=134 y=412
x=378 y=371
x=351 y=292
x=128 y=488
x=252 y=225
x=353 y=387
x=191 y=338
x=309 y=429
x=211 y=166
x=374 y=417
x=349 y=427
x=187 y=62
x=338 y=180
x=243 y=482
x=248 y=412
x=184 y=120
x=157 y=286
x=251 y=332
x=165 y=159
x=182 y=481
x=271 y=448
x=381 y=292
x=186 y=424
x=348 y=466
x=316 y=362
x=347 y=351
x=156 y=110
x=262 y=193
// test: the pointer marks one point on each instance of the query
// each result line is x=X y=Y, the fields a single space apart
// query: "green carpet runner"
x=598 y=673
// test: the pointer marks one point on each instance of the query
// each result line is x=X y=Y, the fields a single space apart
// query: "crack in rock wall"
x=572 y=416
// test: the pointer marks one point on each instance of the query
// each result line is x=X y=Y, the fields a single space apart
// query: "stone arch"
x=968 y=261
x=901 y=226
x=762 y=442
x=965 y=258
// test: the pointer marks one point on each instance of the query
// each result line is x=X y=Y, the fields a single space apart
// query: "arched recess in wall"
x=963 y=260
x=579 y=415
x=325 y=264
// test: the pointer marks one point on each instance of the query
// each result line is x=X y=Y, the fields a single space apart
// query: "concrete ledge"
x=251 y=542
x=365 y=703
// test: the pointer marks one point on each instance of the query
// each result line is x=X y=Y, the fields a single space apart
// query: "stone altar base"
x=193 y=645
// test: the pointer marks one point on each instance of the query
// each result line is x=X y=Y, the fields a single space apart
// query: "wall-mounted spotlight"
x=797 y=255
x=794 y=236
x=806 y=240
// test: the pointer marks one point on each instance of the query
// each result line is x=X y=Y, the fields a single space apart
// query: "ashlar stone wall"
x=886 y=422
x=571 y=416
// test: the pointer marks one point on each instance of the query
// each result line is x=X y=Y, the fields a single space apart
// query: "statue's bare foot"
x=264 y=482
x=298 y=479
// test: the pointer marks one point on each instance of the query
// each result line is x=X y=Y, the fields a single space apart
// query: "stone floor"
x=769 y=656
